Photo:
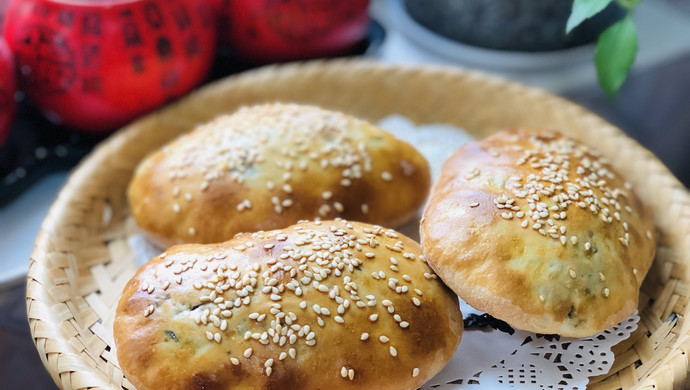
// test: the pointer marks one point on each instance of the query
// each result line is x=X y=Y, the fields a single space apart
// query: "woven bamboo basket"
x=82 y=260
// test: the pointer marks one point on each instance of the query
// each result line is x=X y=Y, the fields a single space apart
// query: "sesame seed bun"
x=267 y=167
x=538 y=230
x=318 y=305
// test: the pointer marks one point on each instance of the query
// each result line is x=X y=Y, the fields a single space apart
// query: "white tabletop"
x=20 y=222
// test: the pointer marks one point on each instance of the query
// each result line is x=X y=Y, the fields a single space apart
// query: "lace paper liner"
x=491 y=359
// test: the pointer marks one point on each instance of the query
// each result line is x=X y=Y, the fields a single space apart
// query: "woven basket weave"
x=82 y=261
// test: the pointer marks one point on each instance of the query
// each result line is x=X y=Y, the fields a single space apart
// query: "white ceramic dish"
x=484 y=58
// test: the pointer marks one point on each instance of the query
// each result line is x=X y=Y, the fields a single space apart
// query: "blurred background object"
x=94 y=66
x=514 y=25
x=3 y=9
x=8 y=88
x=263 y=31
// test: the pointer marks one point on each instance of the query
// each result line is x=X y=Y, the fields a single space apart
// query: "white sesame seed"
x=606 y=292
x=415 y=372
x=602 y=277
x=373 y=317
x=393 y=351
x=383 y=339
x=234 y=361
x=573 y=240
x=386 y=176
x=474 y=204
x=571 y=273
x=248 y=353
x=149 y=310
x=364 y=337
x=351 y=374
x=343 y=372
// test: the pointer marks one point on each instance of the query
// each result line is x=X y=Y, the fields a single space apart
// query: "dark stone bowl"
x=515 y=25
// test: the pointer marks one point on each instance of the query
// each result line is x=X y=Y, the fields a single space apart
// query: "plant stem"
x=628 y=4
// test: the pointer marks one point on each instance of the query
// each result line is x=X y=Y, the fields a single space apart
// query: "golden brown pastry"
x=269 y=166
x=538 y=230
x=318 y=305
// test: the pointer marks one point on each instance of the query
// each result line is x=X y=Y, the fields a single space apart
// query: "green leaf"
x=582 y=10
x=615 y=54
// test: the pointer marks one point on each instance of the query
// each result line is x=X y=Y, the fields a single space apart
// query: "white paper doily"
x=491 y=359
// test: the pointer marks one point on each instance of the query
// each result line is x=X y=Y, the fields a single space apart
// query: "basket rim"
x=38 y=268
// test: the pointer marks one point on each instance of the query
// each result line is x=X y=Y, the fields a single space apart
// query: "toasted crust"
x=499 y=228
x=188 y=317
x=269 y=166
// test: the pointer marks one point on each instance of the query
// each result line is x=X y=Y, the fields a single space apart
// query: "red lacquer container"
x=8 y=87
x=261 y=31
x=95 y=65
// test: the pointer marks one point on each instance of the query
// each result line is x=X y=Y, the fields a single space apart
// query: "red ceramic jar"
x=261 y=31
x=8 y=88
x=95 y=65
x=3 y=8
